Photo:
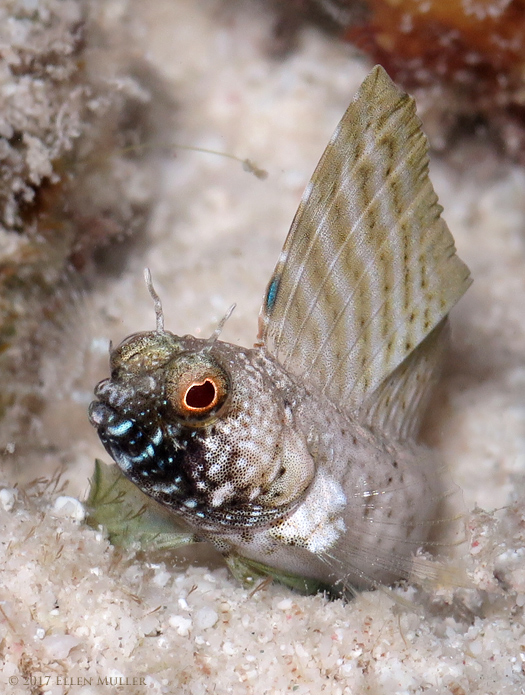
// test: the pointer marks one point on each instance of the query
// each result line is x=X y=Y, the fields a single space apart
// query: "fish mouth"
x=124 y=440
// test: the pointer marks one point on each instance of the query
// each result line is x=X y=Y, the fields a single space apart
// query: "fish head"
x=202 y=427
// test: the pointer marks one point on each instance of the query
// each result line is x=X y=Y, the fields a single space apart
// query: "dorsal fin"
x=369 y=268
x=397 y=407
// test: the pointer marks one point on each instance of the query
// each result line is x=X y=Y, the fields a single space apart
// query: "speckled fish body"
x=300 y=456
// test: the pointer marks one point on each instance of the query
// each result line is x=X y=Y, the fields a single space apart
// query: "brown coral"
x=470 y=52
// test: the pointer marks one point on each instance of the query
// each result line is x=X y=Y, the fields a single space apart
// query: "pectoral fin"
x=128 y=515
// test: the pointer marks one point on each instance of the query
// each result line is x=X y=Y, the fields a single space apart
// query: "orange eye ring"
x=196 y=387
x=201 y=396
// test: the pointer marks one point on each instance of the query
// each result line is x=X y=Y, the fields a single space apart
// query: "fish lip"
x=100 y=385
x=100 y=414
x=104 y=389
x=116 y=396
x=103 y=416
x=95 y=413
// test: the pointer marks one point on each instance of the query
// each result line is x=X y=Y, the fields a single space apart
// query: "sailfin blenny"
x=299 y=458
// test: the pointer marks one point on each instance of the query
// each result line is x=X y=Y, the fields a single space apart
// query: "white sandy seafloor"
x=74 y=611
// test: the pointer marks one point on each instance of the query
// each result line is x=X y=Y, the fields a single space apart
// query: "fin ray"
x=369 y=268
x=397 y=407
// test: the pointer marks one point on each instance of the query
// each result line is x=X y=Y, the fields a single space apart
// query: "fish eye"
x=196 y=387
x=202 y=396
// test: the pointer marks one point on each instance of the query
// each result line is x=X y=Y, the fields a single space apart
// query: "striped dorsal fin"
x=369 y=268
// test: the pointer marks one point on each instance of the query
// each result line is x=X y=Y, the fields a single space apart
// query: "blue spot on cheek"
x=120 y=429
x=271 y=294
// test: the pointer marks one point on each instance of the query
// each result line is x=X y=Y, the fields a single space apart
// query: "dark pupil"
x=200 y=395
